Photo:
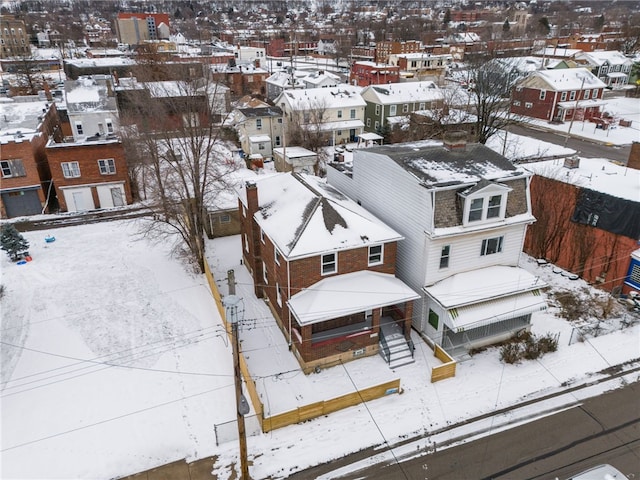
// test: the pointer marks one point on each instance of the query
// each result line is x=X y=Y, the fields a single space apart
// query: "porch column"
x=408 y=316
x=306 y=341
x=375 y=320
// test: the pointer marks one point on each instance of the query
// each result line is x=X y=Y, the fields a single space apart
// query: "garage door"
x=20 y=203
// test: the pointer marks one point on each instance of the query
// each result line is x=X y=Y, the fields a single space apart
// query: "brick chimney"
x=47 y=91
x=455 y=140
x=252 y=197
x=634 y=156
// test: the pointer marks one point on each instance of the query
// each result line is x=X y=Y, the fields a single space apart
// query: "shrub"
x=510 y=353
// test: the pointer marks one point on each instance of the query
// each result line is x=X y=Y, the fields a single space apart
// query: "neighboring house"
x=559 y=95
x=260 y=130
x=170 y=105
x=25 y=128
x=320 y=78
x=612 y=67
x=386 y=48
x=241 y=79
x=91 y=107
x=78 y=67
x=365 y=73
x=559 y=52
x=278 y=82
x=14 y=39
x=295 y=159
x=335 y=112
x=326 y=267
x=89 y=175
x=463 y=210
x=421 y=66
x=588 y=219
x=397 y=100
x=251 y=55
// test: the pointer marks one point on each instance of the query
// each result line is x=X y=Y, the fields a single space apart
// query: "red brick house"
x=587 y=218
x=25 y=187
x=364 y=74
x=326 y=267
x=89 y=175
x=559 y=95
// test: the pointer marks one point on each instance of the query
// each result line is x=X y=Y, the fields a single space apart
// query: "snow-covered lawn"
x=114 y=361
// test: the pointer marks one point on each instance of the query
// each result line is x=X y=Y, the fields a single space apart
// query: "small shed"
x=295 y=159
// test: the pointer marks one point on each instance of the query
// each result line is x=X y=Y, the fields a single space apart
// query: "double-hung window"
x=277 y=256
x=70 y=169
x=491 y=245
x=13 y=168
x=475 y=209
x=107 y=166
x=494 y=206
x=329 y=263
x=375 y=255
x=444 y=256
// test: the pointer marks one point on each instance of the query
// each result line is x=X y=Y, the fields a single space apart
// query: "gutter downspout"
x=288 y=307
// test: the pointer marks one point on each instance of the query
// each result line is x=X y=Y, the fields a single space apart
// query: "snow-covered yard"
x=114 y=361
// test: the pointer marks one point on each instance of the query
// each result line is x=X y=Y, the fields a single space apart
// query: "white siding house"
x=463 y=210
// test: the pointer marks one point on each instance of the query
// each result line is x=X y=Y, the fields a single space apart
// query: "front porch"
x=353 y=326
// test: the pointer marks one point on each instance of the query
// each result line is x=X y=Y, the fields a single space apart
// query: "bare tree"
x=490 y=85
x=179 y=159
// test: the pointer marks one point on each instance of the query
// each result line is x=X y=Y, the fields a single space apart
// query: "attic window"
x=329 y=264
x=485 y=205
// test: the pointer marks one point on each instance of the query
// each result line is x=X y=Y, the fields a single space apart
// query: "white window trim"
x=264 y=273
x=376 y=262
x=71 y=172
x=335 y=263
x=443 y=256
x=261 y=235
x=276 y=255
x=485 y=244
x=278 y=294
x=107 y=166
x=485 y=196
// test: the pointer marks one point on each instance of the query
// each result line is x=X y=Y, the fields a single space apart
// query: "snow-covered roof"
x=90 y=94
x=294 y=152
x=482 y=285
x=435 y=165
x=259 y=138
x=304 y=216
x=19 y=120
x=348 y=294
x=283 y=79
x=599 y=57
x=394 y=93
x=341 y=96
x=597 y=174
x=100 y=62
x=558 y=52
x=565 y=79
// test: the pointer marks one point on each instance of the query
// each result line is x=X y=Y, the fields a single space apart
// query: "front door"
x=116 y=196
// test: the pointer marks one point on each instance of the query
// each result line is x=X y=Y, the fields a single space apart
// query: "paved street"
x=584 y=147
x=603 y=429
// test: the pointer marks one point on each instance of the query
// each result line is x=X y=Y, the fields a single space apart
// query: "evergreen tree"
x=12 y=242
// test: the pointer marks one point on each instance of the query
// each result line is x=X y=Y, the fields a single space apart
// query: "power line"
x=136 y=412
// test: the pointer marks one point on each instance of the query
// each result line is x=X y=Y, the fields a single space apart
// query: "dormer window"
x=484 y=202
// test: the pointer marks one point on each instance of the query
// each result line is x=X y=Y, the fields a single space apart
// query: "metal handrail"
x=385 y=347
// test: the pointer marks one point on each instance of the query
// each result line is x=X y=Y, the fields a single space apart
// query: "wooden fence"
x=306 y=412
x=448 y=367
x=318 y=409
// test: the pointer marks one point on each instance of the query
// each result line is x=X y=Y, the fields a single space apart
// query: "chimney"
x=252 y=197
x=634 y=156
x=109 y=89
x=47 y=92
x=455 y=140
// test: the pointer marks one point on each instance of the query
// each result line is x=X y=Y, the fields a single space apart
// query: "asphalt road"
x=584 y=147
x=604 y=429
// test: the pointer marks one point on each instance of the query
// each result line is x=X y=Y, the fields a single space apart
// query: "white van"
x=601 y=472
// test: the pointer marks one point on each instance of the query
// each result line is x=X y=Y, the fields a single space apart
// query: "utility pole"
x=575 y=111
x=231 y=303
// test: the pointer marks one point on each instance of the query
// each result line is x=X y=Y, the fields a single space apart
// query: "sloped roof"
x=258 y=112
x=304 y=216
x=348 y=294
x=565 y=79
x=341 y=96
x=434 y=165
x=599 y=57
x=404 y=92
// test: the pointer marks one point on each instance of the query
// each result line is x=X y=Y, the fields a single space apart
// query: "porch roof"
x=571 y=104
x=347 y=294
x=479 y=314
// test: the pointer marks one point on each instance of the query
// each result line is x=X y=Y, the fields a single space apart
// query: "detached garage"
x=78 y=199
